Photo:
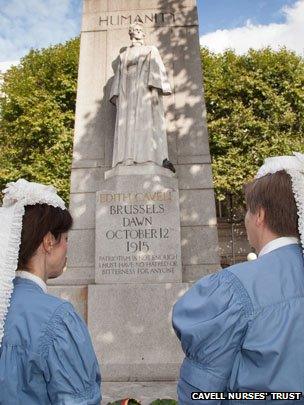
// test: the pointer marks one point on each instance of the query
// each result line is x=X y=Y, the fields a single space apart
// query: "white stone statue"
x=140 y=82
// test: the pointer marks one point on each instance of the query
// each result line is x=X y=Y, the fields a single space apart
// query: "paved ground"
x=145 y=392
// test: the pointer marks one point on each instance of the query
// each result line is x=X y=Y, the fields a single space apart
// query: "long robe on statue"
x=140 y=82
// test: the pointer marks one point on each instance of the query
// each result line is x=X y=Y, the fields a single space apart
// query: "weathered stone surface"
x=172 y=146
x=145 y=392
x=197 y=207
x=195 y=176
x=77 y=296
x=195 y=159
x=87 y=163
x=82 y=207
x=199 y=245
x=93 y=6
x=189 y=105
x=138 y=230
x=91 y=82
x=81 y=245
x=114 y=5
x=195 y=272
x=75 y=276
x=82 y=251
x=86 y=180
x=131 y=329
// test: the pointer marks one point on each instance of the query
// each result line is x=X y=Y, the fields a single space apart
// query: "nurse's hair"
x=274 y=194
x=38 y=221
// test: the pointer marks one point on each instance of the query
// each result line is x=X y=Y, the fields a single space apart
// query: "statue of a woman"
x=139 y=84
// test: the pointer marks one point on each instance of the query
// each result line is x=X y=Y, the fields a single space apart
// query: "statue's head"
x=136 y=31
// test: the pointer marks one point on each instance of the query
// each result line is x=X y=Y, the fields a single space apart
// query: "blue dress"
x=46 y=356
x=242 y=329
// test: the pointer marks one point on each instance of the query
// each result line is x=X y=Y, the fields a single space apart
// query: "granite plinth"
x=130 y=325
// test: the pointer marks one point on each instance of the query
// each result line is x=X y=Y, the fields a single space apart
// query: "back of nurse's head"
x=38 y=221
x=273 y=193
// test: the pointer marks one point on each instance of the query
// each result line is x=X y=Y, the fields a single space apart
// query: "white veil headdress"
x=16 y=196
x=294 y=166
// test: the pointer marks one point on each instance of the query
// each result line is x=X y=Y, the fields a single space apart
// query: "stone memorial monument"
x=142 y=231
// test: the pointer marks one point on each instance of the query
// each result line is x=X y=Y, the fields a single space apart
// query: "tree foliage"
x=37 y=117
x=255 y=109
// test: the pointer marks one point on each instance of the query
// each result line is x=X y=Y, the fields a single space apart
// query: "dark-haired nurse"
x=46 y=354
x=242 y=328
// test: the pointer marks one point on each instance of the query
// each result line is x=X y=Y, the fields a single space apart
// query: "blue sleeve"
x=71 y=368
x=210 y=320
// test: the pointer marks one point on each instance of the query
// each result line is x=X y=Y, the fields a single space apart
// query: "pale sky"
x=263 y=26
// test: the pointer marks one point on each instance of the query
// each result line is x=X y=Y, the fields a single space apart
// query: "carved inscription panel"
x=150 y=18
x=138 y=233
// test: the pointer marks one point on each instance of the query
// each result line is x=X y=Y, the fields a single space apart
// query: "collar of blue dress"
x=32 y=277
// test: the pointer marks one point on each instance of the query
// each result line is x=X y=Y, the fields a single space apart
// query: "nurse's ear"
x=48 y=242
x=260 y=217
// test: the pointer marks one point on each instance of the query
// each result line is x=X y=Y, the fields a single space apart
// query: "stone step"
x=144 y=392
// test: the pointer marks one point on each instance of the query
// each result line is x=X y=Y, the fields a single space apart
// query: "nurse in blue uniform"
x=242 y=328
x=46 y=354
